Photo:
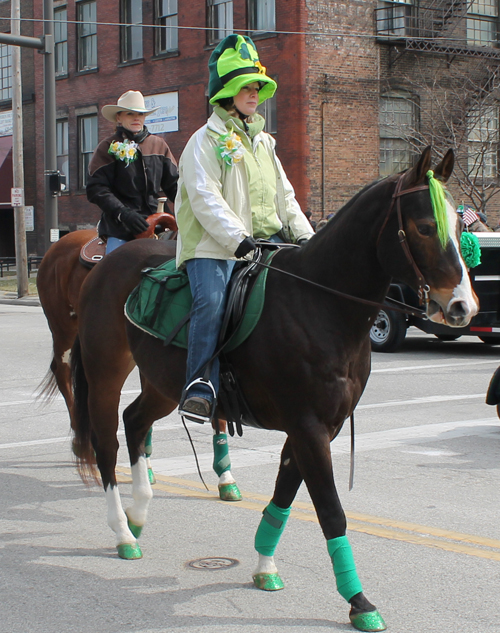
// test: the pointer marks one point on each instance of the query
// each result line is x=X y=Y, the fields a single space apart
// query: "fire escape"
x=438 y=27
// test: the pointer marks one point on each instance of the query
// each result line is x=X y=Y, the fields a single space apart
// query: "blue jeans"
x=208 y=279
x=112 y=243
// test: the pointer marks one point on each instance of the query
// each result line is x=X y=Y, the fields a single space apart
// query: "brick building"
x=348 y=108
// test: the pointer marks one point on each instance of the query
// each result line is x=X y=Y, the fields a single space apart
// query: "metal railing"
x=9 y=263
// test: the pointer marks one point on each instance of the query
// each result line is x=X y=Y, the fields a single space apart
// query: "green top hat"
x=234 y=64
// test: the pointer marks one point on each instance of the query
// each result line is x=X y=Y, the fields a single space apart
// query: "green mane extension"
x=439 y=208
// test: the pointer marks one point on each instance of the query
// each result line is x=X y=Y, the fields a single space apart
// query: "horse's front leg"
x=274 y=519
x=311 y=449
x=228 y=488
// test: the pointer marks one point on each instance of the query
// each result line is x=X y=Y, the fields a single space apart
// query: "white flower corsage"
x=126 y=151
x=230 y=148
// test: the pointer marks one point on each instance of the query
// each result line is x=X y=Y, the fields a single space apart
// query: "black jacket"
x=114 y=186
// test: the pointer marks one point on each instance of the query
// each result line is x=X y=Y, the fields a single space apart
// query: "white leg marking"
x=265 y=565
x=117 y=519
x=66 y=357
x=142 y=493
x=226 y=478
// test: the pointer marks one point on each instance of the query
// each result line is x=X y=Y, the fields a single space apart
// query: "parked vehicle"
x=389 y=330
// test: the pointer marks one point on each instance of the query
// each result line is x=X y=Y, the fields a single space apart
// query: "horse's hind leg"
x=138 y=417
x=311 y=449
x=273 y=522
x=228 y=488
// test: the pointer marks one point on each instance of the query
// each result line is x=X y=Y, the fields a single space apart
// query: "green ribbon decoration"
x=471 y=251
x=439 y=207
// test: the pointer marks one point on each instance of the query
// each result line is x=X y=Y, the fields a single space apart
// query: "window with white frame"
x=131 y=36
x=397 y=120
x=61 y=40
x=166 y=16
x=482 y=23
x=268 y=111
x=261 y=15
x=87 y=142
x=62 y=148
x=5 y=72
x=220 y=20
x=483 y=146
x=87 y=35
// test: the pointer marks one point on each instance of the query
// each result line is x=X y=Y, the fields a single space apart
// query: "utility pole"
x=17 y=154
x=49 y=75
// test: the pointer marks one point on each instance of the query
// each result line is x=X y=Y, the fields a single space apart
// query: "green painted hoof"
x=371 y=621
x=135 y=529
x=229 y=492
x=129 y=551
x=151 y=476
x=268 y=582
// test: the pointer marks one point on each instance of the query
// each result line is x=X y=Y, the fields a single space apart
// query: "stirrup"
x=195 y=417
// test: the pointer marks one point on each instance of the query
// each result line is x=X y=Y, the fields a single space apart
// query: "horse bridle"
x=423 y=287
x=390 y=303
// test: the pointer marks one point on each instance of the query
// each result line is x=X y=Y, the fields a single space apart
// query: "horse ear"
x=416 y=175
x=443 y=170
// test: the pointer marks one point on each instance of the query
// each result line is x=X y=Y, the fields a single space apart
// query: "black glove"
x=245 y=247
x=133 y=221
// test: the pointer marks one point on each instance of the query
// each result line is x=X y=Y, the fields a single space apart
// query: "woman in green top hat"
x=232 y=189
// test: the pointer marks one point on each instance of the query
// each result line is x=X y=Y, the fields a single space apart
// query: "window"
x=61 y=40
x=483 y=137
x=87 y=128
x=395 y=18
x=131 y=36
x=482 y=22
x=268 y=111
x=87 y=35
x=62 y=148
x=397 y=125
x=5 y=72
x=220 y=20
x=167 y=38
x=262 y=15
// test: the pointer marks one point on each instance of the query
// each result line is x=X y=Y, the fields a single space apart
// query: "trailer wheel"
x=490 y=340
x=388 y=332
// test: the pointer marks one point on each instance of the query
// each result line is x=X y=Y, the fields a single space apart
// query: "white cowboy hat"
x=130 y=101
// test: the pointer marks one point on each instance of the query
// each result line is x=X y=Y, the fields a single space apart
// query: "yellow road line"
x=412 y=533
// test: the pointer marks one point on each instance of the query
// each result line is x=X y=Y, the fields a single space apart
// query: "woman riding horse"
x=232 y=189
x=128 y=170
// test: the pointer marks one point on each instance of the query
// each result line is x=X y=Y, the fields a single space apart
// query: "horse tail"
x=82 y=439
x=47 y=389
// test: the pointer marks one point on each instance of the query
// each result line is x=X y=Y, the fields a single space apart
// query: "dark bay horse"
x=302 y=370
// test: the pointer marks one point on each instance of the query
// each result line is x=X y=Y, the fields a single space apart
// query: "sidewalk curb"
x=11 y=298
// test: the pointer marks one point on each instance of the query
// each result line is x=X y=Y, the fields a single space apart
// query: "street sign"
x=29 y=218
x=17 y=197
x=54 y=235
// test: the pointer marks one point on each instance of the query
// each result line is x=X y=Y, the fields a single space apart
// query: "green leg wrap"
x=348 y=583
x=148 y=443
x=270 y=529
x=221 y=454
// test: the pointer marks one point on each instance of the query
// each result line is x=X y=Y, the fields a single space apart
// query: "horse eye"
x=427 y=230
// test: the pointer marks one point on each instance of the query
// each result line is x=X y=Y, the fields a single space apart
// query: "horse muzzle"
x=456 y=313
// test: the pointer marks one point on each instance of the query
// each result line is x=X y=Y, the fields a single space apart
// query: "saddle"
x=160 y=224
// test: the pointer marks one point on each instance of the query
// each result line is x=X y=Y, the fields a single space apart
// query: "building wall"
x=185 y=72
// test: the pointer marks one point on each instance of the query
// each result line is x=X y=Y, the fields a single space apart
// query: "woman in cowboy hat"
x=128 y=170
x=232 y=189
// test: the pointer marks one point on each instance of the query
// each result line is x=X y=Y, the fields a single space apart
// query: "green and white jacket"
x=219 y=204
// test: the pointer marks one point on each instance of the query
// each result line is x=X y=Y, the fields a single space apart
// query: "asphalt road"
x=423 y=514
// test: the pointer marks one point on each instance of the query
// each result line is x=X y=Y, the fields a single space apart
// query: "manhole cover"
x=213 y=563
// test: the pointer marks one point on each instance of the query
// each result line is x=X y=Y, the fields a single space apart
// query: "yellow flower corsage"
x=230 y=148
x=126 y=151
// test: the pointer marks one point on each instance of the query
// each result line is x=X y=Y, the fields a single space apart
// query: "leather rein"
x=392 y=304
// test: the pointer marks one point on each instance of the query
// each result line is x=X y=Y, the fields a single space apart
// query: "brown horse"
x=59 y=280
x=303 y=368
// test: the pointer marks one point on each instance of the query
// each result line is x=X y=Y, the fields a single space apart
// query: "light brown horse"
x=302 y=370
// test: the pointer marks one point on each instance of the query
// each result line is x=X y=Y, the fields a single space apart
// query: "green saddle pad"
x=163 y=299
